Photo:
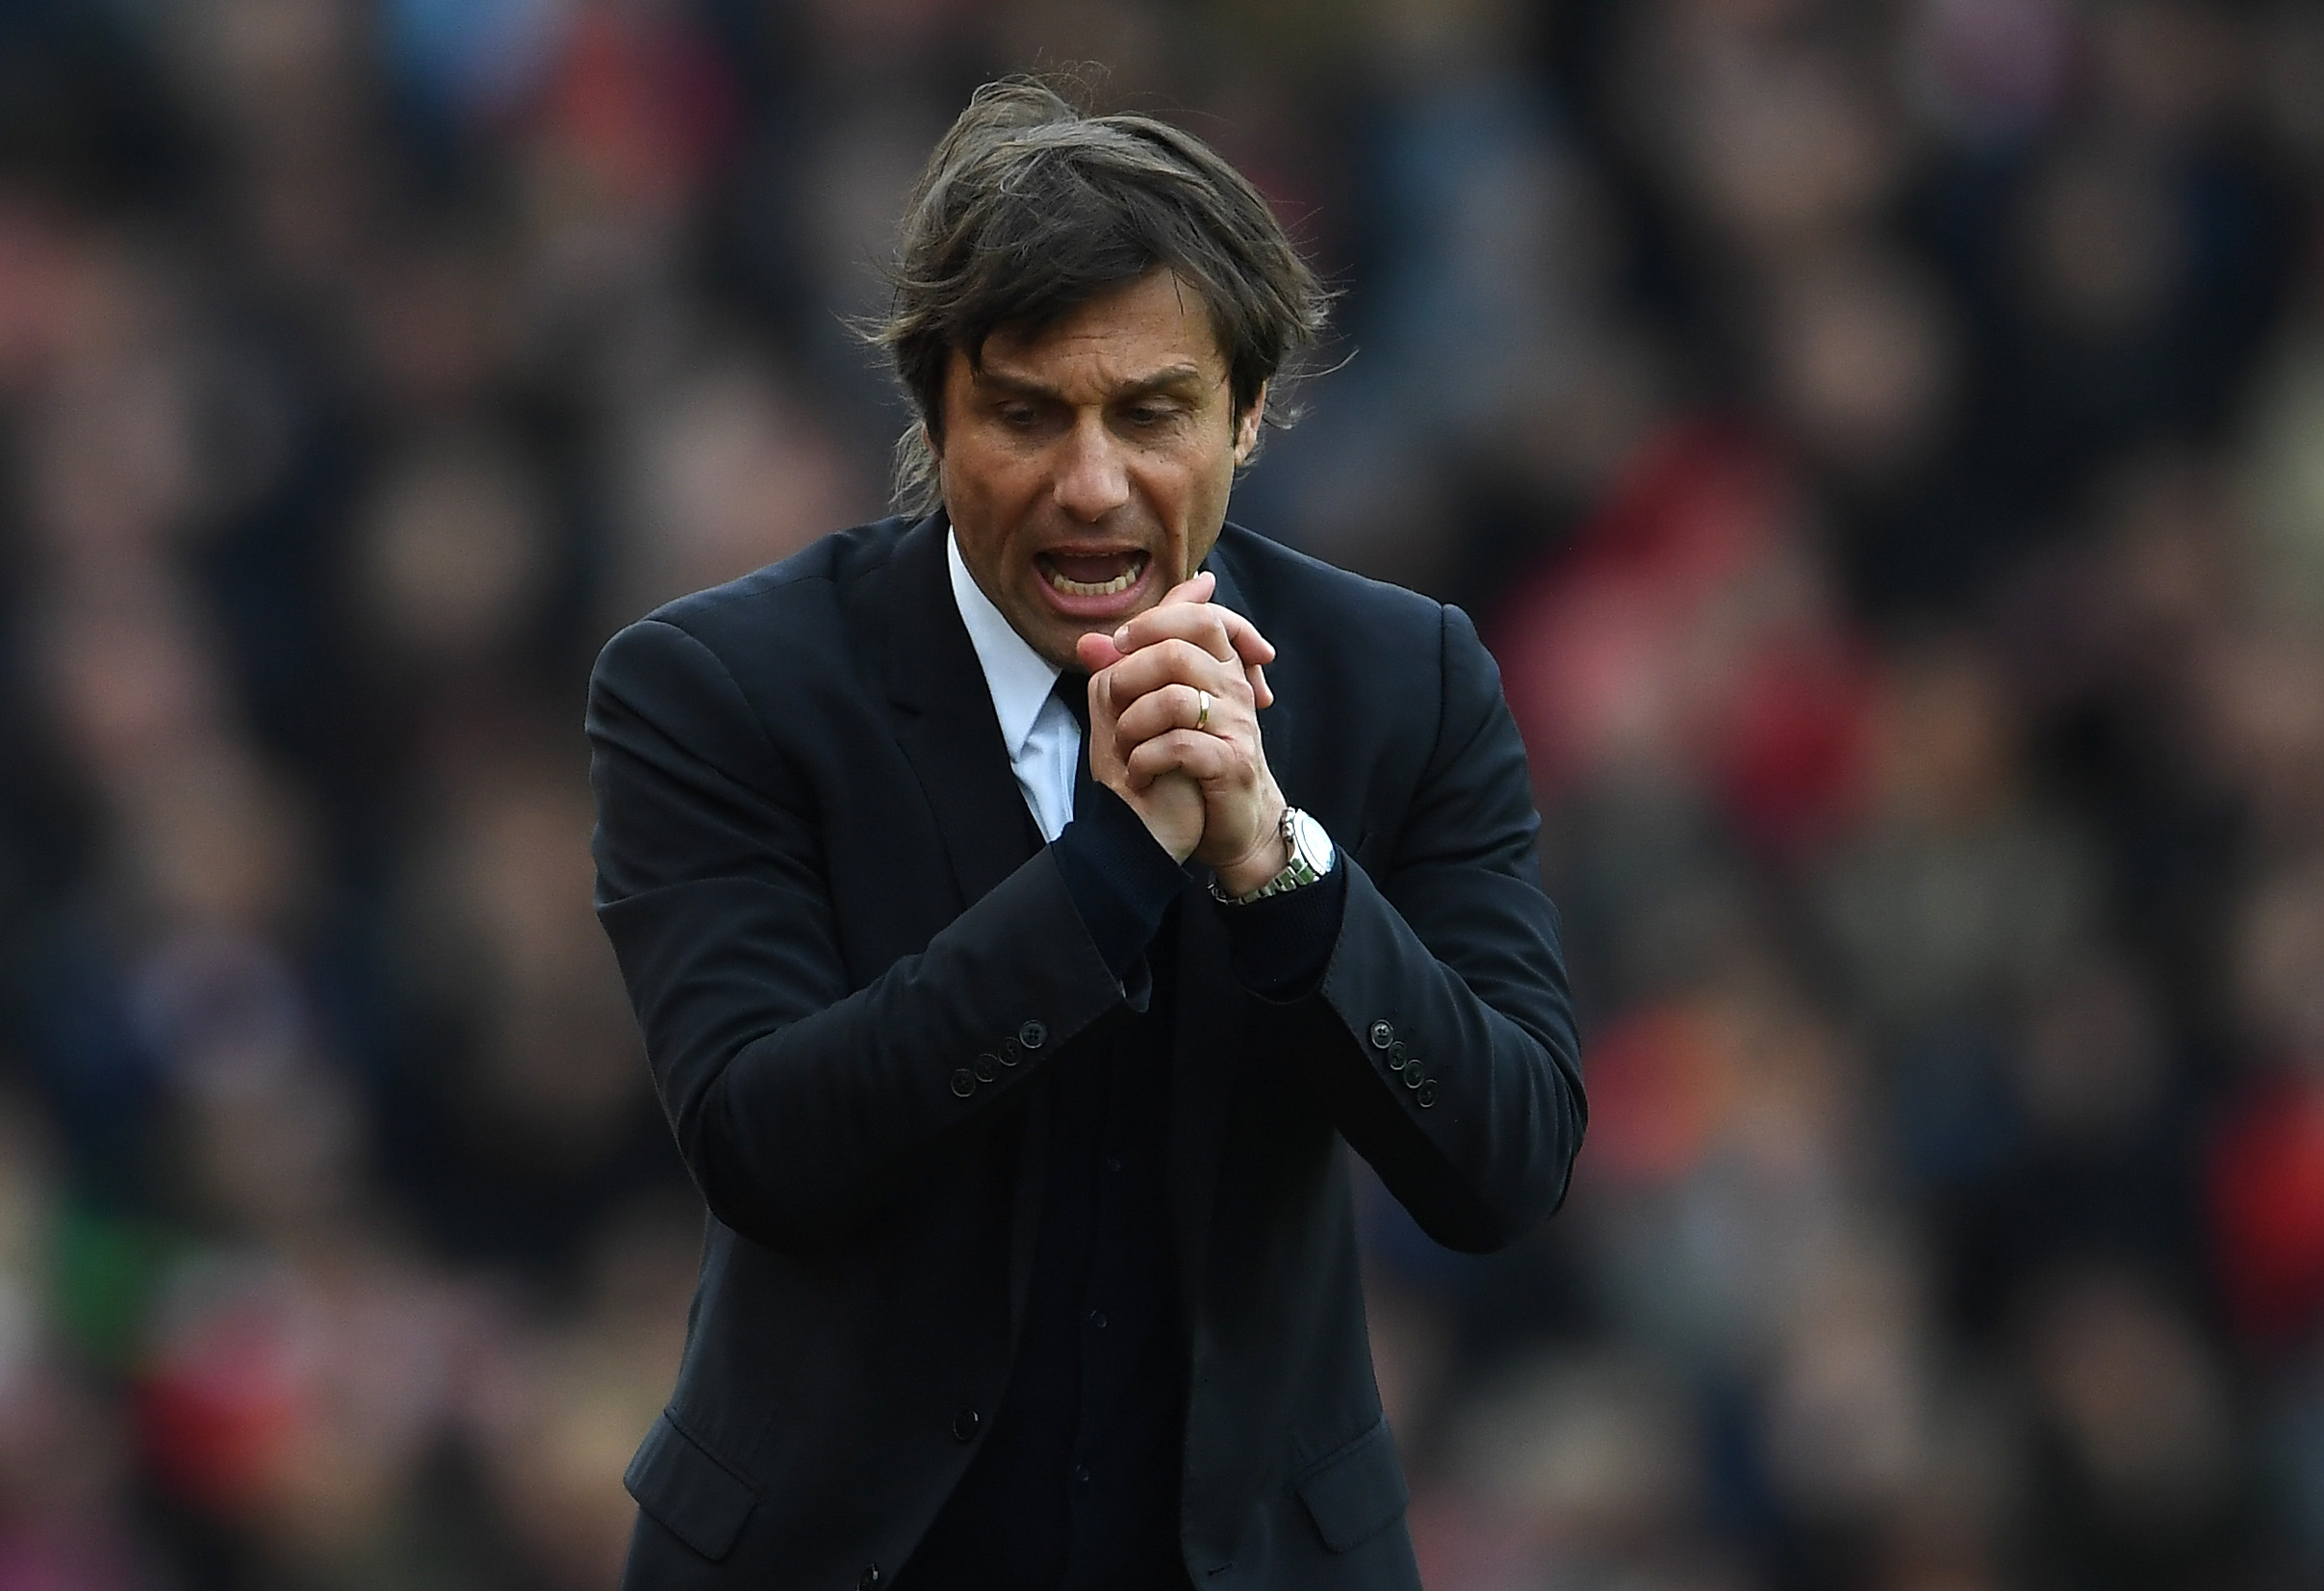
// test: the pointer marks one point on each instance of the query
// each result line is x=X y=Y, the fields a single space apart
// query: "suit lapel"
x=942 y=714
x=943 y=717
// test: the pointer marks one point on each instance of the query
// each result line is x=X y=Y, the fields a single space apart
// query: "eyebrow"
x=1174 y=377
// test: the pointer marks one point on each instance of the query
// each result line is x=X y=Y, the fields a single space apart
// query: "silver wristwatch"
x=1309 y=849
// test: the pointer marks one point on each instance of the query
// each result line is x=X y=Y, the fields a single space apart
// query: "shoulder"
x=1403 y=679
x=800 y=613
x=1366 y=629
x=758 y=677
x=810 y=588
x=1297 y=594
x=1282 y=582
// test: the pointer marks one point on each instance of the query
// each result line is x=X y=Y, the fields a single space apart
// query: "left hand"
x=1150 y=674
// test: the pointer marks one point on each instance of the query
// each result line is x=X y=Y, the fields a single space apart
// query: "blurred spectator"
x=2135 y=1421
x=725 y=470
x=1881 y=444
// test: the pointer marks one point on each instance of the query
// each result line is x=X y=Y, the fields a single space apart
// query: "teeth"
x=1120 y=582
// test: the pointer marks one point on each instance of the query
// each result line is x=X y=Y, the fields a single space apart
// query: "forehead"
x=1124 y=333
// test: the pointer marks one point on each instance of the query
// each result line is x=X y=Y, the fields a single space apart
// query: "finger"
x=1104 y=740
x=1194 y=588
x=1217 y=630
x=1173 y=662
x=1242 y=637
x=1205 y=758
x=1201 y=624
x=1192 y=593
x=1253 y=648
x=1175 y=706
x=1097 y=652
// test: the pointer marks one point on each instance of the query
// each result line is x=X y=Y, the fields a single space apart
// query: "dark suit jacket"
x=852 y=962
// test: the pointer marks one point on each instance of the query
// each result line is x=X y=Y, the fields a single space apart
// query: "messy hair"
x=1030 y=207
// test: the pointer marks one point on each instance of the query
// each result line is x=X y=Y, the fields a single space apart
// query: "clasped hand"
x=1201 y=785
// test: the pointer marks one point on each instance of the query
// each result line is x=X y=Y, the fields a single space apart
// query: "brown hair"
x=1029 y=207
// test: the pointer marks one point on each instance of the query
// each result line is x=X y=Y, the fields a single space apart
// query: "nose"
x=1091 y=480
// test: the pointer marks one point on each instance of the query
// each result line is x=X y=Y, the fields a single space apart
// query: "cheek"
x=975 y=482
x=999 y=474
x=1217 y=482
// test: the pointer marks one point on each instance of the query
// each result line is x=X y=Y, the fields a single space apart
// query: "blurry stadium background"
x=1882 y=440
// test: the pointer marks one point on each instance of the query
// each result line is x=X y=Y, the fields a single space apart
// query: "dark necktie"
x=1073 y=690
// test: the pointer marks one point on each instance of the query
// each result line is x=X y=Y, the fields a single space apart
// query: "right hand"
x=1175 y=655
x=1172 y=805
x=1240 y=639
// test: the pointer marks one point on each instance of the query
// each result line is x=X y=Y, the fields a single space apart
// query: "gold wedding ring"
x=1202 y=708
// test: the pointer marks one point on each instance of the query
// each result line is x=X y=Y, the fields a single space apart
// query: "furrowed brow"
x=985 y=376
x=1178 y=379
x=1175 y=378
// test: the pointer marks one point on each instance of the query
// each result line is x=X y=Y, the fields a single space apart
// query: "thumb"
x=1097 y=652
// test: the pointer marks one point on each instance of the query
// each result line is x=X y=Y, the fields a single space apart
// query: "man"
x=1030 y=904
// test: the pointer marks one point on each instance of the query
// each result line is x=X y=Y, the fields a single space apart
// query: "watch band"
x=1310 y=857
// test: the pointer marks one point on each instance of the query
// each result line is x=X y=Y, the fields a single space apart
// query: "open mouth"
x=1092 y=574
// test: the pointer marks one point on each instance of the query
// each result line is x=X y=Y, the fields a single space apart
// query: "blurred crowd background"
x=1882 y=441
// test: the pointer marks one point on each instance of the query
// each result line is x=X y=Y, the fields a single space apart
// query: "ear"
x=1246 y=426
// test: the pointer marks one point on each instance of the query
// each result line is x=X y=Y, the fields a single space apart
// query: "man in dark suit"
x=1013 y=1021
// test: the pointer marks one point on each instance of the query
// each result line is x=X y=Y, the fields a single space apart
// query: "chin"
x=1056 y=639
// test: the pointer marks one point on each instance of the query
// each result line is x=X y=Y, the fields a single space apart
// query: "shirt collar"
x=1019 y=678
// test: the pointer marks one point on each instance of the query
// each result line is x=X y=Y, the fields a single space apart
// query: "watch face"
x=1310 y=843
x=1309 y=858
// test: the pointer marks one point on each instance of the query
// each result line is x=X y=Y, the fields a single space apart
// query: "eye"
x=1017 y=417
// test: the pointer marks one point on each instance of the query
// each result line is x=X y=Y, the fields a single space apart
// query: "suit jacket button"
x=1414 y=1076
x=1396 y=1056
x=964 y=1082
x=1034 y=1035
x=1384 y=1034
x=1427 y=1095
x=869 y=1578
x=964 y=1424
x=1012 y=1052
x=988 y=1067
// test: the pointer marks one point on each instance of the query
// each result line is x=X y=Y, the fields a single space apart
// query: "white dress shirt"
x=1045 y=743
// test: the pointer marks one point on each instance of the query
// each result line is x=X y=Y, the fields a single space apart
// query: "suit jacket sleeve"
x=797 y=1102
x=1450 y=957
